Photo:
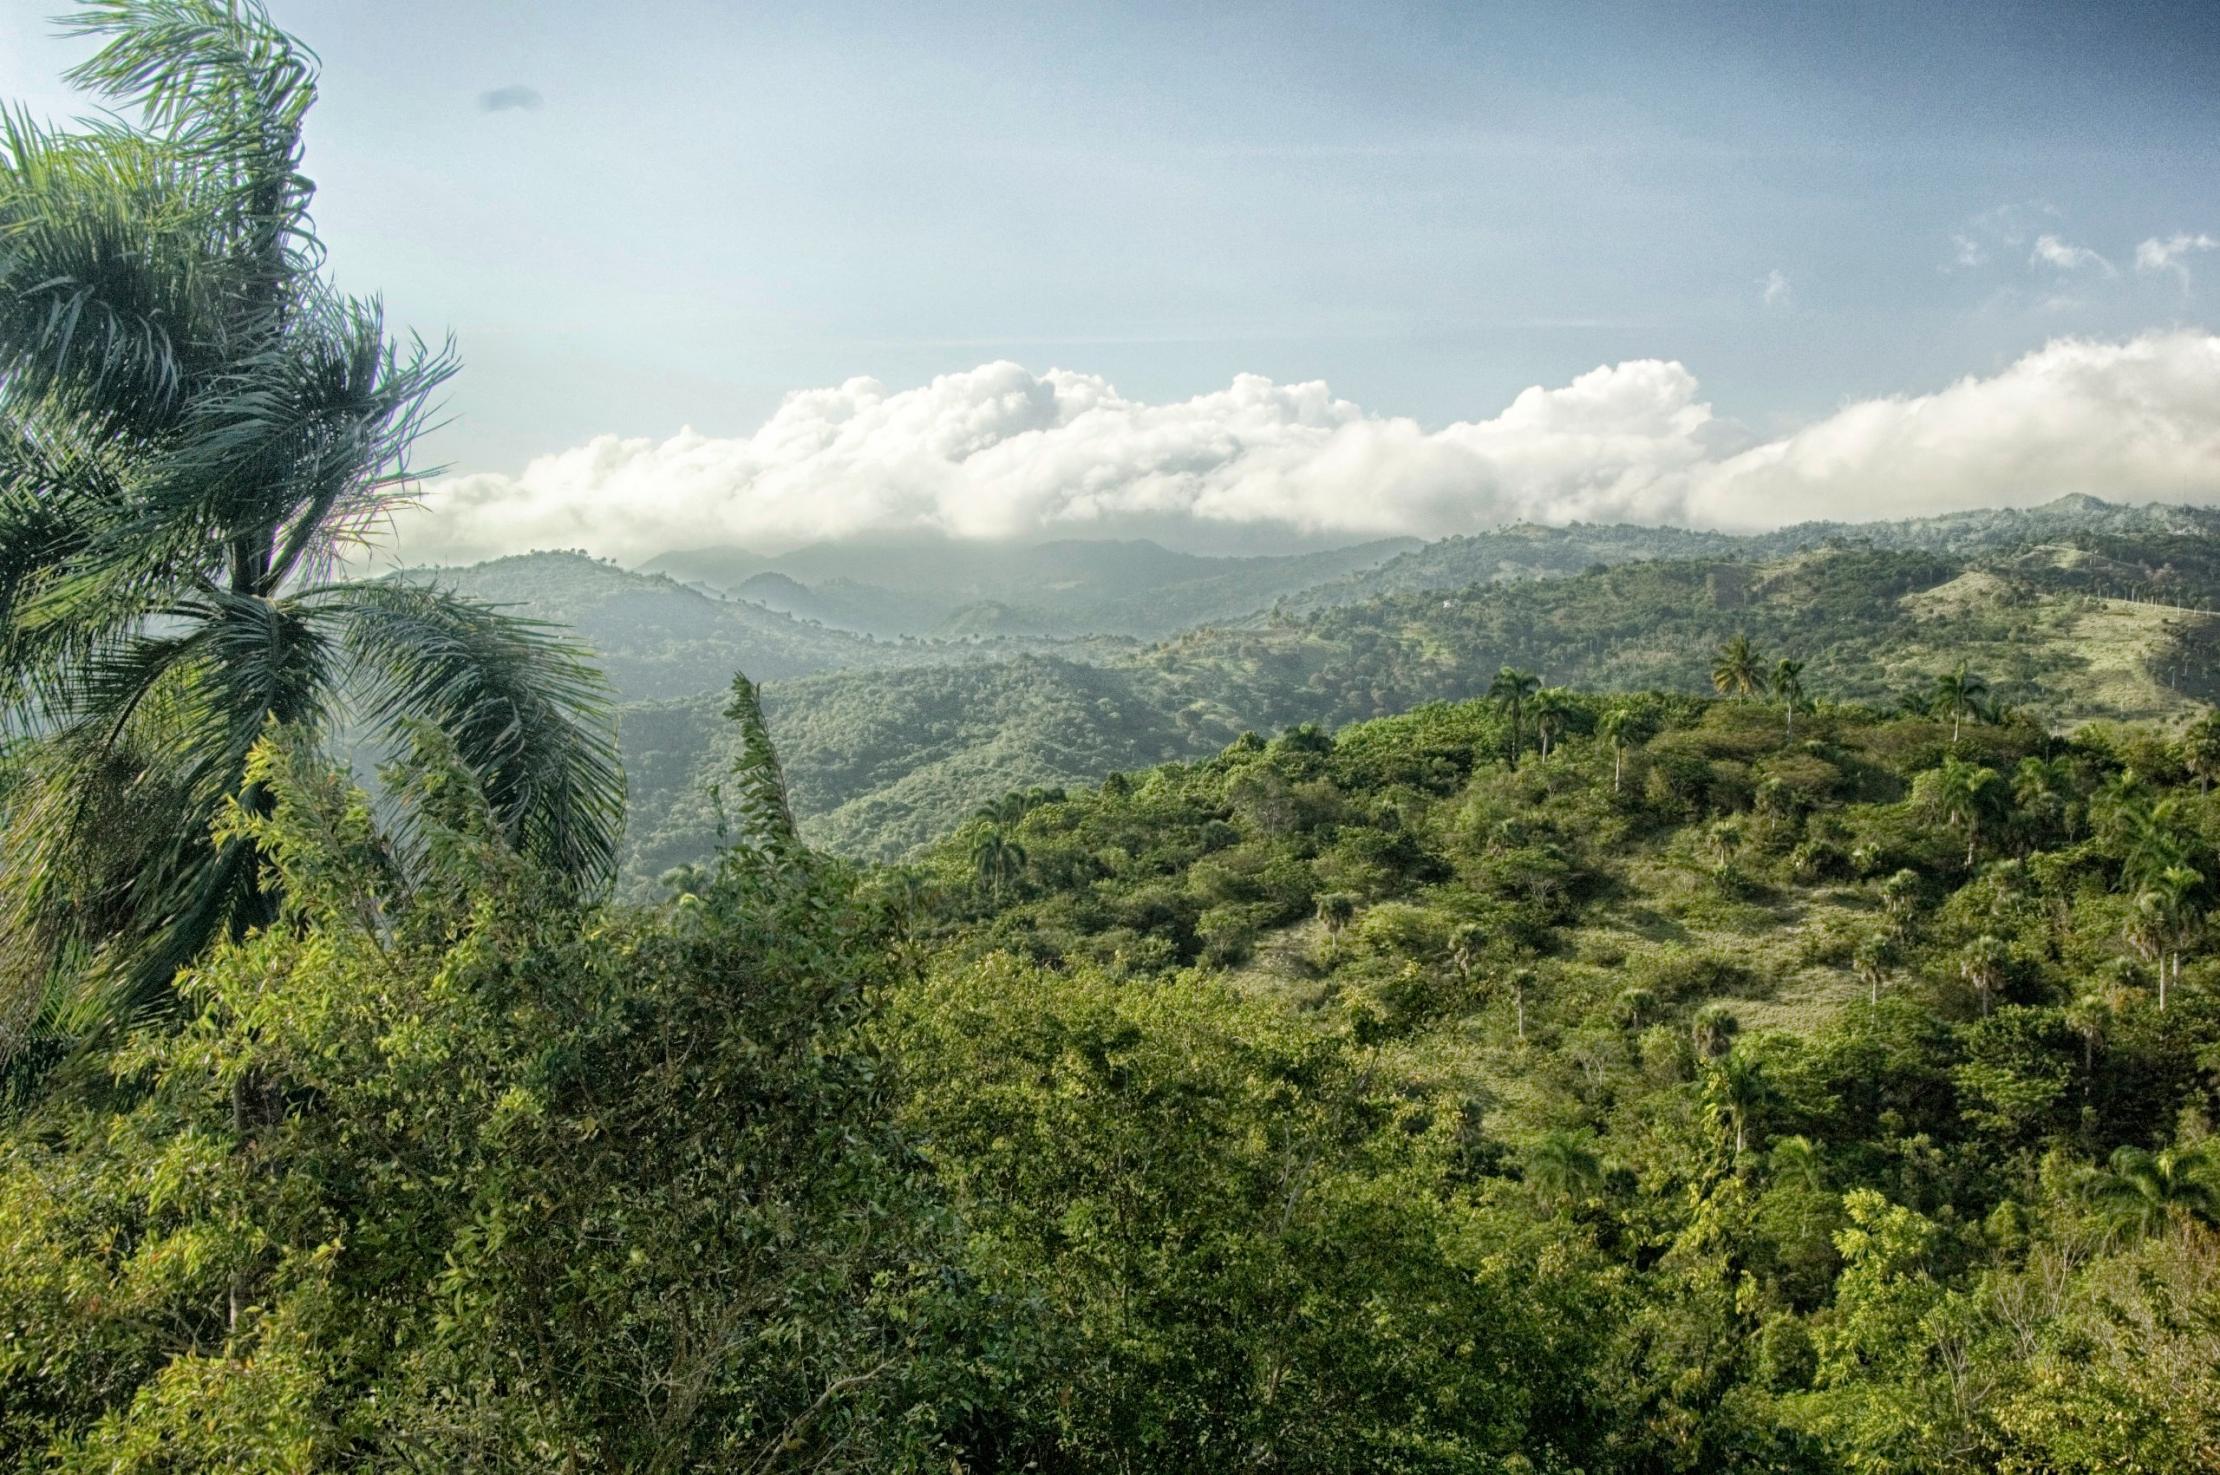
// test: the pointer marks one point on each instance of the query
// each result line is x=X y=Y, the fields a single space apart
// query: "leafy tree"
x=767 y=819
x=1737 y=670
x=195 y=424
x=1512 y=689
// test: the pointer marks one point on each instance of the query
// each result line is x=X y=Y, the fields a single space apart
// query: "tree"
x=1737 y=670
x=996 y=860
x=1900 y=897
x=1733 y=1088
x=2139 y=1191
x=1982 y=965
x=2200 y=750
x=1510 y=690
x=1563 y=1167
x=1465 y=946
x=1517 y=983
x=1872 y=961
x=1550 y=708
x=1619 y=726
x=2165 y=921
x=2042 y=788
x=767 y=819
x=1335 y=911
x=1955 y=693
x=1788 y=686
x=1963 y=795
x=195 y=424
x=1635 y=1004
x=1712 y=1031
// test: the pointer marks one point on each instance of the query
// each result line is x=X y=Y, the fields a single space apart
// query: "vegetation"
x=192 y=423
x=1541 y=1081
x=885 y=761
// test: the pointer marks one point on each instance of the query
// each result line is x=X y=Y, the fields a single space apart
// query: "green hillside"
x=1528 y=551
x=883 y=761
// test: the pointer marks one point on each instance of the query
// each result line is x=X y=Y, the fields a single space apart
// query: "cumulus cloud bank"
x=999 y=451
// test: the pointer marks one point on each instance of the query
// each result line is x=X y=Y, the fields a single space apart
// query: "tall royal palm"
x=1512 y=689
x=193 y=421
x=1788 y=685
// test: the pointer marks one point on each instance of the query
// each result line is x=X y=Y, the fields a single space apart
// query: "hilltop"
x=884 y=761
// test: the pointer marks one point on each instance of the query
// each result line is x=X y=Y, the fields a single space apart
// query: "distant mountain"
x=1057 y=589
x=883 y=761
x=655 y=636
x=1531 y=551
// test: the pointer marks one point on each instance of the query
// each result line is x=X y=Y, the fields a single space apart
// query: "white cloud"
x=1966 y=251
x=1000 y=451
x=2051 y=251
x=1774 y=288
x=2157 y=255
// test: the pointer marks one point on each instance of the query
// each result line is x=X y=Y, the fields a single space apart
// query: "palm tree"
x=2139 y=1191
x=2041 y=790
x=1516 y=983
x=1872 y=961
x=1982 y=965
x=2200 y=750
x=1788 y=685
x=1962 y=795
x=1955 y=693
x=1465 y=945
x=1619 y=726
x=1634 y=1003
x=2166 y=921
x=1797 y=1160
x=767 y=818
x=1736 y=670
x=1563 y=1167
x=2090 y=1015
x=1733 y=1089
x=1550 y=708
x=1510 y=690
x=1336 y=910
x=996 y=860
x=1712 y=1031
x=1900 y=897
x=194 y=424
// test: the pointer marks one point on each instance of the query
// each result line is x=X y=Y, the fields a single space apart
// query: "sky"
x=1246 y=275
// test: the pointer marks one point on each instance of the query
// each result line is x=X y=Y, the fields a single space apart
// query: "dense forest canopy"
x=1754 y=1009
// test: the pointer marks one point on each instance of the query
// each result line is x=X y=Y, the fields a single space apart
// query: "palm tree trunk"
x=1618 y=766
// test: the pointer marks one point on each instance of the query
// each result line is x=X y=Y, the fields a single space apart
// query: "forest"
x=1703 y=1014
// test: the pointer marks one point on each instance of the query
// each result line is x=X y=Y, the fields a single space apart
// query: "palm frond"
x=107 y=286
x=221 y=84
x=525 y=708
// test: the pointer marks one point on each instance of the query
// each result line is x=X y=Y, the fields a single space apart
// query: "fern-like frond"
x=525 y=707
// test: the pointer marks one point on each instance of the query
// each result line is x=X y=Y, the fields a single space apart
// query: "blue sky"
x=1429 y=207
